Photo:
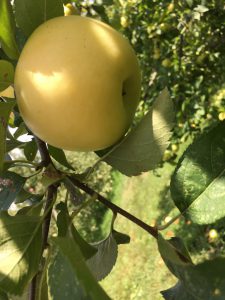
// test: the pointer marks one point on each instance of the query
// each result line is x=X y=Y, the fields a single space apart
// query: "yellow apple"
x=166 y=63
x=77 y=83
x=213 y=235
x=69 y=10
x=124 y=21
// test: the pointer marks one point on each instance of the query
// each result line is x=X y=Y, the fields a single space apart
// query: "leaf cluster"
x=64 y=264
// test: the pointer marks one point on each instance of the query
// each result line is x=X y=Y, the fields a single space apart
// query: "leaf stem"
x=33 y=288
x=116 y=209
x=164 y=226
x=21 y=161
x=51 y=193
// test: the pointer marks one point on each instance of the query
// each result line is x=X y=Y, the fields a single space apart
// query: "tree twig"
x=116 y=209
x=45 y=157
x=51 y=192
x=33 y=285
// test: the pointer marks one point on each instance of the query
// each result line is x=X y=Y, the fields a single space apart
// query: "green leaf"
x=104 y=260
x=59 y=156
x=142 y=149
x=65 y=227
x=10 y=185
x=5 y=109
x=23 y=195
x=173 y=251
x=20 y=249
x=108 y=2
x=121 y=238
x=75 y=195
x=206 y=280
x=3 y=296
x=31 y=210
x=6 y=74
x=68 y=276
x=100 y=9
x=177 y=292
x=203 y=281
x=12 y=144
x=21 y=130
x=198 y=184
x=30 y=150
x=7 y=26
x=31 y=14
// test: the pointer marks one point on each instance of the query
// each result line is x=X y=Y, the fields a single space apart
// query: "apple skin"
x=77 y=83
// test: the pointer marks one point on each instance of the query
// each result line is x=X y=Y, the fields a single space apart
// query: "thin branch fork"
x=116 y=209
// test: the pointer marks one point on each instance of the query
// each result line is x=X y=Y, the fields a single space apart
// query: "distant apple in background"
x=69 y=10
x=77 y=83
x=9 y=92
x=213 y=235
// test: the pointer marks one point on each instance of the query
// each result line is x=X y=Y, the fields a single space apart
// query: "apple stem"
x=116 y=209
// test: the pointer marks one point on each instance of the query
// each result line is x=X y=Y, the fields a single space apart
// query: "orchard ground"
x=140 y=269
x=140 y=272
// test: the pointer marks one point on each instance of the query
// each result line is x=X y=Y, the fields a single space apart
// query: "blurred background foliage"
x=180 y=44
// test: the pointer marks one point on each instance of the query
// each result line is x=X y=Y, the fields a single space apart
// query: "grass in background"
x=139 y=272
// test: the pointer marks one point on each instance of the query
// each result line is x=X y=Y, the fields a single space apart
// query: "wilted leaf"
x=20 y=251
x=10 y=185
x=68 y=276
x=31 y=14
x=6 y=74
x=142 y=149
x=198 y=184
x=7 y=25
